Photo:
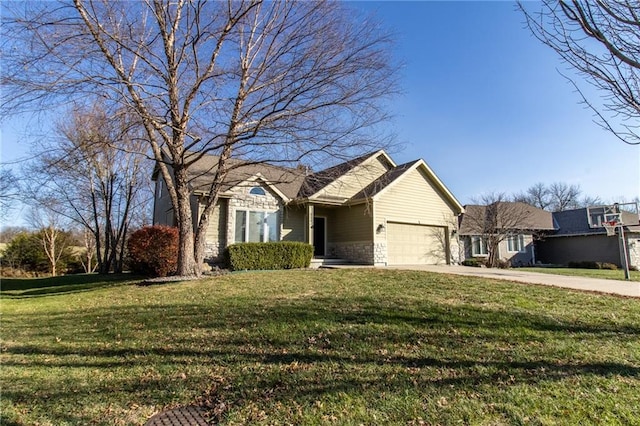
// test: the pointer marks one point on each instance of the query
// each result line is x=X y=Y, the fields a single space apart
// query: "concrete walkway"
x=624 y=288
x=620 y=287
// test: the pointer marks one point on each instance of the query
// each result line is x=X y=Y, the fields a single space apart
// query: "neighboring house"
x=516 y=226
x=582 y=238
x=368 y=210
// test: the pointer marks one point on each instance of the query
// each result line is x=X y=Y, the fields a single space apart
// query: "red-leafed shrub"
x=153 y=251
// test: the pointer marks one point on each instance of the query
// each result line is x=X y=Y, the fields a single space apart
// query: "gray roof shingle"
x=294 y=183
x=512 y=215
x=576 y=222
x=286 y=180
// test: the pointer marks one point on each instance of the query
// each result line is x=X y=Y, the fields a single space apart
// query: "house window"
x=256 y=227
x=596 y=216
x=478 y=246
x=256 y=190
x=515 y=243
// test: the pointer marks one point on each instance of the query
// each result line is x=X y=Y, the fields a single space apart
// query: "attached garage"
x=412 y=244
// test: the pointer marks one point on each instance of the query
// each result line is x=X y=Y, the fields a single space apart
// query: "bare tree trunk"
x=279 y=82
x=50 y=235
x=186 y=259
x=89 y=245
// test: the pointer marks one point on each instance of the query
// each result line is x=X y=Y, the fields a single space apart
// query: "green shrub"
x=153 y=251
x=474 y=261
x=275 y=255
x=606 y=265
x=26 y=252
x=592 y=264
x=503 y=264
x=583 y=264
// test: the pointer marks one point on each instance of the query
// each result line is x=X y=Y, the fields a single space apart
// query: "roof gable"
x=263 y=183
x=378 y=185
x=363 y=177
x=284 y=181
x=391 y=177
x=340 y=183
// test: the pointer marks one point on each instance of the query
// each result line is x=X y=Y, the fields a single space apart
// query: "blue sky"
x=487 y=109
x=484 y=105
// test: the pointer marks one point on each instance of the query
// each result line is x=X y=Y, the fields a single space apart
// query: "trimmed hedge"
x=591 y=264
x=474 y=261
x=153 y=251
x=275 y=255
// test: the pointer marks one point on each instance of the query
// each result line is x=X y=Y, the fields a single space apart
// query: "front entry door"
x=319 y=236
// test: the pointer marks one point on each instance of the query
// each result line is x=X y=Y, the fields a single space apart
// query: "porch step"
x=319 y=263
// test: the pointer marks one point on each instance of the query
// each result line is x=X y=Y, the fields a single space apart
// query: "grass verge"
x=589 y=273
x=323 y=347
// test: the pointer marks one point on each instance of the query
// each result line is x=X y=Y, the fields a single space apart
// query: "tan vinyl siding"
x=355 y=180
x=217 y=229
x=414 y=199
x=293 y=223
x=352 y=223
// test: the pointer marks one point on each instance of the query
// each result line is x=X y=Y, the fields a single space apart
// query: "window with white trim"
x=256 y=190
x=478 y=246
x=515 y=243
x=256 y=226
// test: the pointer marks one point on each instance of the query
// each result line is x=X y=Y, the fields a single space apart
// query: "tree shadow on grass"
x=33 y=287
x=303 y=350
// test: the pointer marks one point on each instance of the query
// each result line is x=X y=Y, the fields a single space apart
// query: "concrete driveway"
x=624 y=288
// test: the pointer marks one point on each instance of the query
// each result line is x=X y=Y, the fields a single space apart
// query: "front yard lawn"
x=589 y=273
x=25 y=287
x=344 y=347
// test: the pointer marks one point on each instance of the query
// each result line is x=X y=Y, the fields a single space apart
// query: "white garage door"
x=415 y=244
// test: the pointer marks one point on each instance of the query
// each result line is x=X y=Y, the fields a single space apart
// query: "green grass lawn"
x=343 y=347
x=21 y=287
x=590 y=273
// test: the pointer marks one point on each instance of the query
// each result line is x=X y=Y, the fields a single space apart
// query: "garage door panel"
x=409 y=244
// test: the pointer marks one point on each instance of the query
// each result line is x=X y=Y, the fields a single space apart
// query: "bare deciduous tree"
x=7 y=233
x=54 y=240
x=9 y=191
x=601 y=40
x=563 y=196
x=88 y=257
x=270 y=82
x=536 y=195
x=494 y=219
x=556 y=197
x=96 y=171
x=588 y=201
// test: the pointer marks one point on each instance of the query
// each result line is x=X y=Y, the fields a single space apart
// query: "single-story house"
x=368 y=210
x=581 y=237
x=516 y=225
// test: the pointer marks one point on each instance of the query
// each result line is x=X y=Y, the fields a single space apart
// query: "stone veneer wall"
x=212 y=252
x=380 y=254
x=365 y=252
x=243 y=200
x=633 y=246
